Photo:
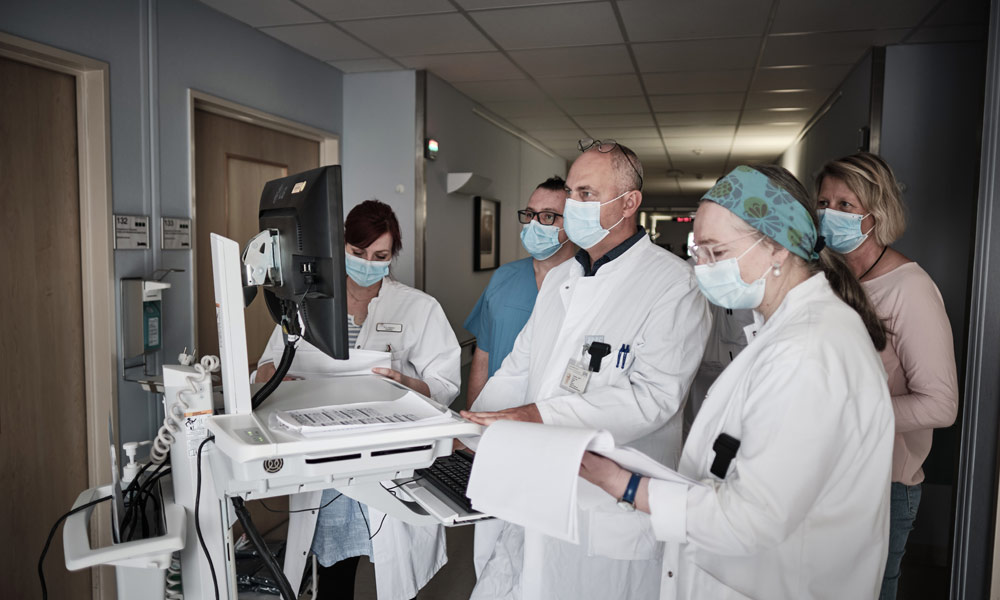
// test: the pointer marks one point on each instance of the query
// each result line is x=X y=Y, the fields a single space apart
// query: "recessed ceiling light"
x=786 y=91
x=786 y=109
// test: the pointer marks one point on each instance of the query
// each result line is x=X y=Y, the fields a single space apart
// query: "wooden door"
x=233 y=160
x=43 y=426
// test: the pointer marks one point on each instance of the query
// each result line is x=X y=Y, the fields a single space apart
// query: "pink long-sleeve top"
x=920 y=362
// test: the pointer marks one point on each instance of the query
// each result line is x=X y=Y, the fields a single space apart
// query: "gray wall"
x=836 y=133
x=378 y=150
x=156 y=51
x=470 y=143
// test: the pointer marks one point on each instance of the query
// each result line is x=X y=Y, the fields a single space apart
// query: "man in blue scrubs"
x=506 y=304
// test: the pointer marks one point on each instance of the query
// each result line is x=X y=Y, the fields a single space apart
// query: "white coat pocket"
x=615 y=533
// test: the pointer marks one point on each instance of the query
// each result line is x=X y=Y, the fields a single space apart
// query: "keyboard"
x=450 y=475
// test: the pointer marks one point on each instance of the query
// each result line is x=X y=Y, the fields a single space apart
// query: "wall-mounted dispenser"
x=142 y=325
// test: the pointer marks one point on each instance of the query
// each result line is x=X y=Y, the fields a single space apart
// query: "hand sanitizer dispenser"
x=142 y=318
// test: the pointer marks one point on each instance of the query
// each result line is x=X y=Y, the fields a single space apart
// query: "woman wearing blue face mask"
x=862 y=213
x=792 y=446
x=384 y=316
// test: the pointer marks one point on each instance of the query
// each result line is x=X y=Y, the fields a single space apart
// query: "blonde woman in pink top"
x=861 y=215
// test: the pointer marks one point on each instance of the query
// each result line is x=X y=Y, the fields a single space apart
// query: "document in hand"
x=528 y=473
x=407 y=411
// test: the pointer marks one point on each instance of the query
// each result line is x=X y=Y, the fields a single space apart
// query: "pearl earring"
x=777 y=269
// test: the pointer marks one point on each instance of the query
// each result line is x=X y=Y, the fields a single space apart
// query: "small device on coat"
x=597 y=352
x=725 y=448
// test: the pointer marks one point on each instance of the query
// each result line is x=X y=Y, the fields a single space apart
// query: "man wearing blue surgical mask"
x=613 y=343
x=506 y=303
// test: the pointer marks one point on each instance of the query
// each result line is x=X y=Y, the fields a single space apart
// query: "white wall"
x=471 y=143
x=378 y=150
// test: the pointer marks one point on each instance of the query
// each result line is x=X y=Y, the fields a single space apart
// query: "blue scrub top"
x=503 y=309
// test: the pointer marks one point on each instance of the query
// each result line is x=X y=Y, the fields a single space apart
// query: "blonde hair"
x=871 y=179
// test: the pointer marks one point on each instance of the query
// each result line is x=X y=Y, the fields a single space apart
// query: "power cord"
x=197 y=519
x=262 y=550
x=173 y=420
x=52 y=533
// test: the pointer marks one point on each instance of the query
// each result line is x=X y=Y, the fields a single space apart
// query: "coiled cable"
x=173 y=420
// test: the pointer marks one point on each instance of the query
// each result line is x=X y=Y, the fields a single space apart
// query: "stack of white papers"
x=528 y=474
x=405 y=412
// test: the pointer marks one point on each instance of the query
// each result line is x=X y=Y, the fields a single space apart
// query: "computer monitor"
x=307 y=212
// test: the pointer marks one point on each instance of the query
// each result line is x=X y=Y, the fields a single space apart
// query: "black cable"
x=268 y=508
x=52 y=533
x=134 y=495
x=272 y=384
x=197 y=520
x=142 y=497
x=265 y=554
x=381 y=523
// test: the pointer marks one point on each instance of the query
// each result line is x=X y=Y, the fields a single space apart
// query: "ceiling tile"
x=428 y=34
x=689 y=102
x=642 y=145
x=691 y=185
x=762 y=146
x=500 y=91
x=713 y=145
x=614 y=133
x=960 y=12
x=844 y=48
x=950 y=33
x=616 y=120
x=718 y=131
x=261 y=13
x=768 y=131
x=709 y=167
x=809 y=99
x=558 y=135
x=322 y=40
x=470 y=66
x=532 y=27
x=721 y=117
x=520 y=108
x=823 y=77
x=845 y=15
x=656 y=20
x=697 y=82
x=553 y=122
x=596 y=86
x=604 y=106
x=764 y=116
x=697 y=55
x=481 y=4
x=337 y=10
x=365 y=65
x=573 y=62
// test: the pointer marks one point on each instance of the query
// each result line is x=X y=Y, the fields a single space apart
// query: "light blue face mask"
x=365 y=273
x=842 y=230
x=582 y=221
x=541 y=241
x=723 y=285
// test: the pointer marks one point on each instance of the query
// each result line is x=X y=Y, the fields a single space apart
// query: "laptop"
x=440 y=489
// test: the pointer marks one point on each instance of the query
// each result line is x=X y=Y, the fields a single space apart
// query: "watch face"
x=626 y=505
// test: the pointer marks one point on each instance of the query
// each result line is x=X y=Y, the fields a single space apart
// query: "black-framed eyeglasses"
x=605 y=146
x=545 y=217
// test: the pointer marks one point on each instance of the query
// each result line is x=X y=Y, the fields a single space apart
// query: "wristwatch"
x=627 y=501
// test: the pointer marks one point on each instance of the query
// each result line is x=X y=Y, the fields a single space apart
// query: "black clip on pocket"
x=725 y=448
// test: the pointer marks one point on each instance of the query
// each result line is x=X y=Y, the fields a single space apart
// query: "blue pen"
x=622 y=356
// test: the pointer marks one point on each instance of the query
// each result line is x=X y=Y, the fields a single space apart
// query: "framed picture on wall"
x=486 y=228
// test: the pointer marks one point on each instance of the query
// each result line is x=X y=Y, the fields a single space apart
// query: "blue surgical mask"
x=582 y=221
x=841 y=230
x=723 y=285
x=541 y=241
x=365 y=273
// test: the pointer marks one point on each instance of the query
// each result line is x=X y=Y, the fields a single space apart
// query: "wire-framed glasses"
x=606 y=146
x=545 y=217
x=704 y=254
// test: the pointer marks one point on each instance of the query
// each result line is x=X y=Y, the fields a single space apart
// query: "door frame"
x=329 y=154
x=96 y=262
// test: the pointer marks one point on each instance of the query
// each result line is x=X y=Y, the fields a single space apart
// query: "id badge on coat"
x=575 y=378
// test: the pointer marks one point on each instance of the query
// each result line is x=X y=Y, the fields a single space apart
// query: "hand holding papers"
x=527 y=473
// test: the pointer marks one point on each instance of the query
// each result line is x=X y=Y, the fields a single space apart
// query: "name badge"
x=575 y=378
x=390 y=327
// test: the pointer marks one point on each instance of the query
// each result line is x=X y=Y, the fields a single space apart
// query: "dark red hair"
x=368 y=221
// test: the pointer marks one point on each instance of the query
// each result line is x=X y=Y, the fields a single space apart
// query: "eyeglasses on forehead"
x=605 y=146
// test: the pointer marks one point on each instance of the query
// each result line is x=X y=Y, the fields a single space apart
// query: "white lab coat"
x=406 y=556
x=803 y=510
x=646 y=299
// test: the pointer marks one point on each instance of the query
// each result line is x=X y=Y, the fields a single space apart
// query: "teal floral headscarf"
x=768 y=208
